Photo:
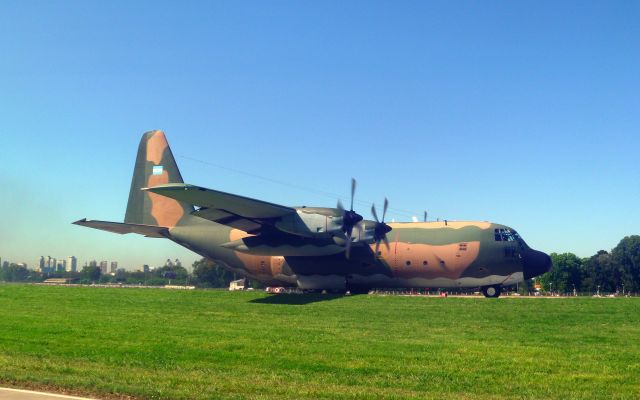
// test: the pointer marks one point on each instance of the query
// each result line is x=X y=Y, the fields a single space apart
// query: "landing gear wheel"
x=492 y=291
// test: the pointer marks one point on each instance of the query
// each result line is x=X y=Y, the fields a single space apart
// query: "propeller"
x=425 y=216
x=350 y=219
x=381 y=229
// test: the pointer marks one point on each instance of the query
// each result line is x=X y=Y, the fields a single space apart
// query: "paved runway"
x=19 y=394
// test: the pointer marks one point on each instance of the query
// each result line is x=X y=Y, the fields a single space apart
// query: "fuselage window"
x=408 y=263
x=425 y=263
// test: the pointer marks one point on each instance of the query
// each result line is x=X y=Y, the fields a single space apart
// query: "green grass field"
x=155 y=343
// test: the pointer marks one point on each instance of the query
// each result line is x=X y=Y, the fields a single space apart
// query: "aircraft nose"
x=535 y=263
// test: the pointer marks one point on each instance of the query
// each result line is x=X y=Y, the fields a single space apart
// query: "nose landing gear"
x=491 y=291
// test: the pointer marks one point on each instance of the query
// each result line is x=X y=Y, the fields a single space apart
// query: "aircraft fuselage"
x=421 y=255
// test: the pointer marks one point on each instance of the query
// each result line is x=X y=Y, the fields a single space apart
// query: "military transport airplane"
x=317 y=248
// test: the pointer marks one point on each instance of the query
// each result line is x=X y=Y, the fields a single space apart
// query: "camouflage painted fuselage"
x=424 y=254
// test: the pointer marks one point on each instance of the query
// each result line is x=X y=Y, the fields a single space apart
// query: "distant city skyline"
x=47 y=263
x=521 y=113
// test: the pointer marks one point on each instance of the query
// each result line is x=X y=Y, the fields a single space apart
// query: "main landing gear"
x=491 y=291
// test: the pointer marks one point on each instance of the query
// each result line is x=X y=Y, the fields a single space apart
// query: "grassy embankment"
x=157 y=343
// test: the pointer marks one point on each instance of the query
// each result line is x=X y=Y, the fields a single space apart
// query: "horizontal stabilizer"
x=214 y=199
x=124 y=228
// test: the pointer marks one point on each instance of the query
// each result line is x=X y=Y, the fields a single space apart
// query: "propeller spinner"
x=381 y=229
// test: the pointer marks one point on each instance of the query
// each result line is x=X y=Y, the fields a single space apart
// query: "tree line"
x=617 y=271
x=205 y=274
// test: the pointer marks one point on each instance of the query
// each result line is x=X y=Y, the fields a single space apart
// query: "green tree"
x=106 y=278
x=14 y=273
x=604 y=274
x=587 y=283
x=175 y=275
x=626 y=257
x=209 y=274
x=136 y=277
x=525 y=287
x=174 y=272
x=566 y=272
x=91 y=273
x=20 y=273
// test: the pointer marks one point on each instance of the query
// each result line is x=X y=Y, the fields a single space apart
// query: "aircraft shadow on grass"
x=296 y=299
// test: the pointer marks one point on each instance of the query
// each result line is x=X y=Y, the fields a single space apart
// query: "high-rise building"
x=114 y=267
x=72 y=264
x=145 y=269
x=50 y=264
x=93 y=263
x=42 y=264
x=178 y=263
x=103 y=267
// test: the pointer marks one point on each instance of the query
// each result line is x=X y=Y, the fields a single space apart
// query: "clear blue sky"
x=523 y=113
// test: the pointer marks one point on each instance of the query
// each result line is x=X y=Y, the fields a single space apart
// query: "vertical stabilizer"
x=155 y=165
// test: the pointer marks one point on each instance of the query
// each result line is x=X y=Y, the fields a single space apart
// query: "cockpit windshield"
x=507 y=235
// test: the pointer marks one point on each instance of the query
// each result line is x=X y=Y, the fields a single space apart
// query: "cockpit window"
x=506 y=235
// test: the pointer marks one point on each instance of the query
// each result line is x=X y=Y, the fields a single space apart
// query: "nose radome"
x=535 y=263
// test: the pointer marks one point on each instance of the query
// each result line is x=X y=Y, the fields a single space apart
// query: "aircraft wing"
x=232 y=220
x=228 y=209
x=123 y=228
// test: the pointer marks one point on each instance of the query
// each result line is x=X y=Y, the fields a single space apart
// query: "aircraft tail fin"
x=155 y=165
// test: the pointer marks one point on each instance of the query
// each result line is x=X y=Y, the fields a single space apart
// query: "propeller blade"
x=386 y=243
x=425 y=216
x=384 y=210
x=350 y=220
x=360 y=228
x=353 y=191
x=381 y=229
x=373 y=211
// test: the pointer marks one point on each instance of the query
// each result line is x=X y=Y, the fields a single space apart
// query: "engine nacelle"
x=312 y=222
